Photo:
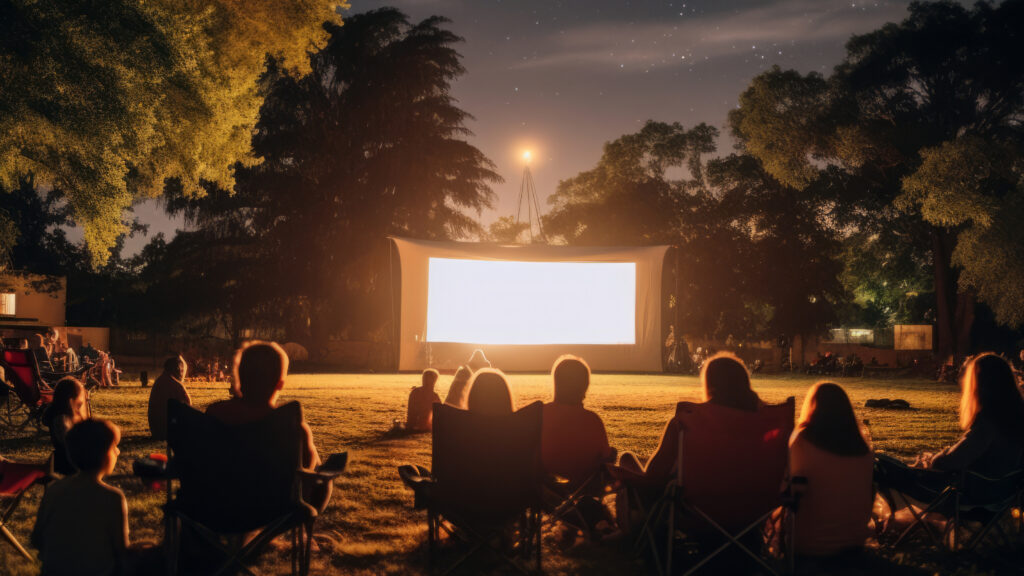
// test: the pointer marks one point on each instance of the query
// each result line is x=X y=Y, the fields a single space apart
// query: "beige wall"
x=48 y=309
x=98 y=337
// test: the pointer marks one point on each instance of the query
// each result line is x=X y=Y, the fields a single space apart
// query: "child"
x=69 y=407
x=82 y=524
x=420 y=414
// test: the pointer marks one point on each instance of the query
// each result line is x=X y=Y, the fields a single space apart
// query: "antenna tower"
x=528 y=193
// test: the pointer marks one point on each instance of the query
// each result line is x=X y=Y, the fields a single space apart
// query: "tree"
x=369 y=143
x=105 y=100
x=857 y=136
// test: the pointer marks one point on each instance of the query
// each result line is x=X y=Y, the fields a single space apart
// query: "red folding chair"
x=15 y=480
x=729 y=472
x=27 y=394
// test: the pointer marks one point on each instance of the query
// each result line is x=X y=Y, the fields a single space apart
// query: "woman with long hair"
x=489 y=393
x=70 y=406
x=829 y=450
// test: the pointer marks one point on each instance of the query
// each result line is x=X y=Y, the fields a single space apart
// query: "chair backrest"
x=235 y=478
x=732 y=462
x=978 y=491
x=487 y=469
x=22 y=374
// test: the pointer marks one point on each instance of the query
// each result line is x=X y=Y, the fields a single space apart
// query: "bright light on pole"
x=526 y=156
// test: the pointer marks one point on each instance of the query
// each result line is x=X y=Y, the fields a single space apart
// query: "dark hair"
x=827 y=421
x=430 y=377
x=67 y=389
x=489 y=393
x=89 y=441
x=259 y=366
x=990 y=388
x=571 y=377
x=175 y=365
x=726 y=382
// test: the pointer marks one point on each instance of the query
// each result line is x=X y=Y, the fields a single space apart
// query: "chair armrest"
x=319 y=475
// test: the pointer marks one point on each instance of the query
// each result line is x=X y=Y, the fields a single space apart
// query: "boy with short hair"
x=420 y=414
x=82 y=523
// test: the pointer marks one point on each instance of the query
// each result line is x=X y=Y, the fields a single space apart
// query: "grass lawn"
x=370 y=525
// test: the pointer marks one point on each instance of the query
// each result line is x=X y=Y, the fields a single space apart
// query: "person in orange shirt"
x=420 y=415
x=831 y=452
x=574 y=443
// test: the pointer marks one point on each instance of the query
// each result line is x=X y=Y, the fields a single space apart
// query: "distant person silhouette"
x=169 y=385
x=830 y=450
x=489 y=393
x=70 y=406
x=260 y=369
x=477 y=361
x=457 y=391
x=419 y=415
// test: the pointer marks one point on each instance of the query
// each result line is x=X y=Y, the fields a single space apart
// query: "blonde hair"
x=988 y=385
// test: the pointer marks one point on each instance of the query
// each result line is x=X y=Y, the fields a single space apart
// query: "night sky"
x=562 y=78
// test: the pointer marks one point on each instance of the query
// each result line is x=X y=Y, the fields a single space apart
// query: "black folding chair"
x=485 y=486
x=236 y=481
x=575 y=506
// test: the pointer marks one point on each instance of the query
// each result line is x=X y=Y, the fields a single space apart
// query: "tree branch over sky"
x=106 y=100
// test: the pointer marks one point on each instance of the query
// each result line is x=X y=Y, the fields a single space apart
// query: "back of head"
x=726 y=382
x=430 y=377
x=89 y=441
x=571 y=377
x=66 y=390
x=489 y=393
x=990 y=388
x=828 y=421
x=478 y=361
x=175 y=366
x=259 y=367
x=462 y=375
x=38 y=341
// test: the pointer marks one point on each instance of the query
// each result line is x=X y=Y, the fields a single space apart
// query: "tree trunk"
x=954 y=311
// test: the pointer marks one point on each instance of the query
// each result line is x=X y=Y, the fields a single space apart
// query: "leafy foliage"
x=105 y=100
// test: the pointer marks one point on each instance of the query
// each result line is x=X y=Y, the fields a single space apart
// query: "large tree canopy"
x=369 y=143
x=884 y=139
x=105 y=100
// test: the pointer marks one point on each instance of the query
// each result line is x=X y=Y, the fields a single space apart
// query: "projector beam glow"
x=510 y=302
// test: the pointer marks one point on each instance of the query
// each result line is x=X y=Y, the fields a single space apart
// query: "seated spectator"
x=421 y=401
x=489 y=393
x=830 y=450
x=574 y=442
x=992 y=417
x=260 y=369
x=169 y=385
x=477 y=361
x=726 y=382
x=42 y=350
x=69 y=407
x=82 y=523
x=457 y=391
x=65 y=357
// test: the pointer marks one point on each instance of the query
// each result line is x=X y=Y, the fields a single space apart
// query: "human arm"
x=971 y=446
x=659 y=467
x=311 y=458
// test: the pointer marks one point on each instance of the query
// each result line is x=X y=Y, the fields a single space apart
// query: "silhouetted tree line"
x=887 y=191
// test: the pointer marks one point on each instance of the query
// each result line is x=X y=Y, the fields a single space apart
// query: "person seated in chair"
x=260 y=369
x=421 y=403
x=82 y=523
x=992 y=418
x=489 y=393
x=169 y=385
x=574 y=442
x=70 y=406
x=726 y=382
x=832 y=458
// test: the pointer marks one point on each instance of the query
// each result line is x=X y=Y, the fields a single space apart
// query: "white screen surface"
x=510 y=302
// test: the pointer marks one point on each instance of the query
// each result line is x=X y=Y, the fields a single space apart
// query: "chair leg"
x=14 y=542
x=172 y=544
x=308 y=556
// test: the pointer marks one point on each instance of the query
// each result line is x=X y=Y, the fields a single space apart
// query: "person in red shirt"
x=574 y=443
x=420 y=415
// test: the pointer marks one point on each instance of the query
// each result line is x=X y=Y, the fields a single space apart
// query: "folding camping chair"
x=27 y=394
x=729 y=470
x=15 y=481
x=234 y=481
x=565 y=503
x=943 y=505
x=486 y=477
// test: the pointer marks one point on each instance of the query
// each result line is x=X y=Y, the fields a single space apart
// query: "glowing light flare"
x=527 y=156
x=512 y=302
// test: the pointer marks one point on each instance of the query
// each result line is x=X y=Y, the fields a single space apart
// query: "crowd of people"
x=830 y=450
x=83 y=522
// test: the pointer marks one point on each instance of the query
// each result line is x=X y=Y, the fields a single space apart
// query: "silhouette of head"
x=462 y=375
x=176 y=367
x=828 y=421
x=489 y=393
x=69 y=398
x=92 y=445
x=260 y=369
x=989 y=387
x=726 y=382
x=429 y=378
x=571 y=376
x=478 y=361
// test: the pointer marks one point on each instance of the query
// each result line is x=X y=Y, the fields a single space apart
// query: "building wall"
x=47 y=308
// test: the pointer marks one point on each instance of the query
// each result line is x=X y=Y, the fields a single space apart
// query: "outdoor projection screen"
x=527 y=305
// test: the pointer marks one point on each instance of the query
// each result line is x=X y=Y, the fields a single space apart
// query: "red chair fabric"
x=732 y=462
x=15 y=478
x=26 y=376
